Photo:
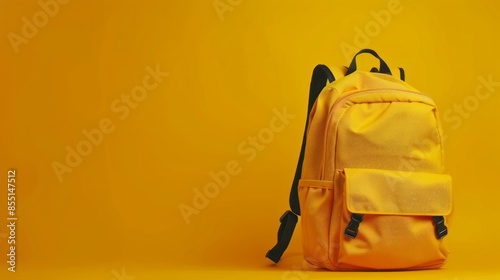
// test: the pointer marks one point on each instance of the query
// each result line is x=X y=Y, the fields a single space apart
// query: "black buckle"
x=441 y=229
x=351 y=230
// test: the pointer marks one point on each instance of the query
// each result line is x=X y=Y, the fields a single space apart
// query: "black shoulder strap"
x=321 y=75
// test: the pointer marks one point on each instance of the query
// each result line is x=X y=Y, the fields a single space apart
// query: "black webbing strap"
x=383 y=66
x=285 y=232
x=321 y=75
x=402 y=74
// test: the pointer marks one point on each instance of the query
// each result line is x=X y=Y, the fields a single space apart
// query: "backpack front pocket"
x=392 y=219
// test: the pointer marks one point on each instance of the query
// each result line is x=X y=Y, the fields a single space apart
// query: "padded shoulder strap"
x=321 y=75
x=288 y=220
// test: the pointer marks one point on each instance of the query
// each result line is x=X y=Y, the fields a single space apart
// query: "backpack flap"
x=393 y=219
x=384 y=192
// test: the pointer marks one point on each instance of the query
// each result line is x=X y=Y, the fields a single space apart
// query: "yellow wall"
x=178 y=89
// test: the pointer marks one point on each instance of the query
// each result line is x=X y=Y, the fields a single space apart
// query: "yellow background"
x=119 y=208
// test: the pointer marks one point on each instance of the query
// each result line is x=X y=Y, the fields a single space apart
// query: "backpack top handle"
x=383 y=66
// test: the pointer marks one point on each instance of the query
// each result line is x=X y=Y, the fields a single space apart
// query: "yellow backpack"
x=369 y=183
